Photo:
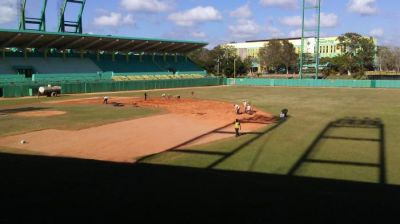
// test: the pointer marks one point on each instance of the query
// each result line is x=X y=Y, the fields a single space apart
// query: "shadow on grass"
x=354 y=124
x=223 y=156
x=21 y=109
x=60 y=190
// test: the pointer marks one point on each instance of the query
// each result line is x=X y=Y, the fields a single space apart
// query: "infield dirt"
x=187 y=122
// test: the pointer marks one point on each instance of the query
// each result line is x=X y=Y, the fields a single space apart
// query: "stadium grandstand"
x=90 y=63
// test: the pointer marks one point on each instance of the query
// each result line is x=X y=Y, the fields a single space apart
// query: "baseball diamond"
x=166 y=111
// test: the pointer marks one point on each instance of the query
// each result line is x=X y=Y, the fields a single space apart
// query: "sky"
x=219 y=21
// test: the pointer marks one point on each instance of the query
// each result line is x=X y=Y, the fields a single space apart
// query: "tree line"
x=279 y=56
x=221 y=60
x=389 y=58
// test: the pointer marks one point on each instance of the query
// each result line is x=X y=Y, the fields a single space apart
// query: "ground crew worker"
x=237 y=127
x=283 y=113
x=237 y=109
x=105 y=100
x=245 y=103
x=248 y=109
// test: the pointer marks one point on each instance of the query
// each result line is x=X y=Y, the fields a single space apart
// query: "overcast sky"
x=221 y=21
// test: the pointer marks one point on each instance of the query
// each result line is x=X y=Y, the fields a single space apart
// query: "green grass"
x=277 y=148
x=76 y=117
x=310 y=110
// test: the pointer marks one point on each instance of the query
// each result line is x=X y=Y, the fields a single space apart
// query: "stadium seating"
x=121 y=65
x=147 y=64
x=51 y=65
x=119 y=78
x=56 y=68
x=10 y=79
x=68 y=77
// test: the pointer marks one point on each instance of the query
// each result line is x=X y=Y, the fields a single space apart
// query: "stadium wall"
x=315 y=83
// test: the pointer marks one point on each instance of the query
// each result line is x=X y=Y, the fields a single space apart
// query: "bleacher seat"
x=74 y=68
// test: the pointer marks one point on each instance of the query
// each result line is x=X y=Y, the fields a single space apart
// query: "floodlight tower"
x=75 y=25
x=24 y=21
x=310 y=31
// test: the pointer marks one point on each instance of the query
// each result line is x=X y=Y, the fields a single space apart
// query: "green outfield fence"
x=30 y=89
x=315 y=83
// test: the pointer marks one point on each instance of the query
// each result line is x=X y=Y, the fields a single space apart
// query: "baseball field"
x=336 y=154
x=345 y=134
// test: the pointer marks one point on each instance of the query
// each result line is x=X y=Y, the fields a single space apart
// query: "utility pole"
x=234 y=70
x=218 y=66
x=305 y=33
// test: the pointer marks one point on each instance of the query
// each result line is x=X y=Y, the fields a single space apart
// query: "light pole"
x=218 y=66
x=234 y=71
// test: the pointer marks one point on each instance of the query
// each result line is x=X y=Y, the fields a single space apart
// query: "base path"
x=129 y=140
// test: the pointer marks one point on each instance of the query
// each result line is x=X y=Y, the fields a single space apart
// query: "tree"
x=202 y=58
x=243 y=66
x=337 y=65
x=277 y=53
x=359 y=52
x=386 y=59
x=223 y=57
x=396 y=53
x=288 y=55
x=221 y=60
x=270 y=55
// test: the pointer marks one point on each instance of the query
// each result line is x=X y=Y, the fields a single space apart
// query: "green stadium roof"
x=41 y=40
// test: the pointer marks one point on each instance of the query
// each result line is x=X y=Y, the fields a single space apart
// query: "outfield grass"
x=277 y=151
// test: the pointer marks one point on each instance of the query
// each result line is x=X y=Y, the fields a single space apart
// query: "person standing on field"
x=248 y=109
x=245 y=104
x=105 y=100
x=238 y=127
x=237 y=109
x=145 y=96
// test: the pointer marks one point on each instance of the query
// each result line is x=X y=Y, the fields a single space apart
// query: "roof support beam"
x=122 y=46
x=176 y=47
x=191 y=48
x=10 y=41
x=168 y=46
x=151 y=46
x=49 y=45
x=139 y=45
x=105 y=47
x=34 y=41
x=91 y=44
x=73 y=43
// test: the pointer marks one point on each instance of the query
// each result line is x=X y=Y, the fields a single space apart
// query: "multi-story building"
x=329 y=47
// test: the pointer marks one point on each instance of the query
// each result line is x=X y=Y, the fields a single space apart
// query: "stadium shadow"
x=223 y=156
x=355 y=124
x=62 y=190
x=21 y=109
